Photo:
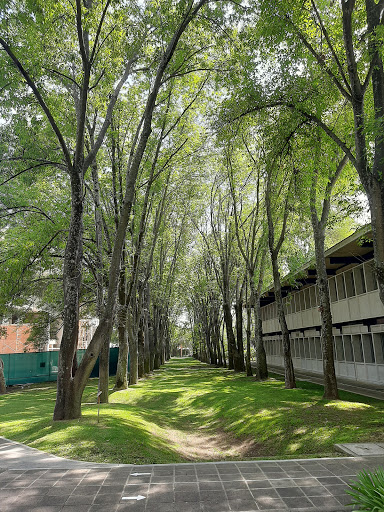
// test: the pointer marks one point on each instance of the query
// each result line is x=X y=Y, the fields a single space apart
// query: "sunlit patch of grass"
x=347 y=406
x=187 y=406
x=293 y=447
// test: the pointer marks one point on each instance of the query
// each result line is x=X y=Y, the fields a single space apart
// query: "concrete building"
x=357 y=311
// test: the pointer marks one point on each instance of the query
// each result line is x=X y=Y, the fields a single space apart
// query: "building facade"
x=14 y=336
x=357 y=312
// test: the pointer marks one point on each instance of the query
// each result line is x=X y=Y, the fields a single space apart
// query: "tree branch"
x=108 y=118
x=330 y=46
x=331 y=183
x=342 y=145
x=23 y=171
x=98 y=31
x=19 y=209
x=80 y=33
x=42 y=103
x=63 y=76
x=319 y=59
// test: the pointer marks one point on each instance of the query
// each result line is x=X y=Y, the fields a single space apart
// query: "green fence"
x=42 y=366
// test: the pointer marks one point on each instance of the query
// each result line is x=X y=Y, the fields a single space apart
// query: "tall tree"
x=340 y=46
x=250 y=235
x=279 y=184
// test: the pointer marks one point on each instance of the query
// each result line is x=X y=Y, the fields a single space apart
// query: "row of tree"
x=166 y=155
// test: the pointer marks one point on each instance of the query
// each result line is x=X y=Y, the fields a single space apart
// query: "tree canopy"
x=162 y=163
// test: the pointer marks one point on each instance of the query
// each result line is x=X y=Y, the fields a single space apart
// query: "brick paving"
x=60 y=485
x=51 y=484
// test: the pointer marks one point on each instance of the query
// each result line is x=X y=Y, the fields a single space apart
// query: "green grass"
x=190 y=411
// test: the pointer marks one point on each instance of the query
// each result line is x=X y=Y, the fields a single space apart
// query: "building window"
x=358 y=274
x=312 y=296
x=302 y=302
x=300 y=342
x=350 y=283
x=311 y=349
x=340 y=287
x=357 y=348
x=378 y=341
x=289 y=304
x=306 y=298
x=370 y=278
x=339 y=348
x=294 y=302
x=318 y=350
x=369 y=352
x=332 y=289
x=348 y=350
x=293 y=347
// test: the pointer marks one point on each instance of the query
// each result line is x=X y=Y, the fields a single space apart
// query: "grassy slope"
x=184 y=403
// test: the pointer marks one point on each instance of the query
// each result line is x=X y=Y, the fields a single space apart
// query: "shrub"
x=368 y=491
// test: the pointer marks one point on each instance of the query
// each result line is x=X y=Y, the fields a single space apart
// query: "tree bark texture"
x=67 y=402
x=330 y=381
x=239 y=334
x=234 y=362
x=290 y=381
x=122 y=362
x=248 y=330
x=133 y=349
x=3 y=387
x=261 y=370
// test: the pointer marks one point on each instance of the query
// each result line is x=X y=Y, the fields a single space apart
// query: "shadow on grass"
x=189 y=402
x=284 y=422
x=115 y=439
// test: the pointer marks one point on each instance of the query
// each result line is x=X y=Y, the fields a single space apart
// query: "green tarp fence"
x=42 y=366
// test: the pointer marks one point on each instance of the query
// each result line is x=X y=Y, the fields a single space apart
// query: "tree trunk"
x=140 y=342
x=104 y=371
x=65 y=398
x=3 y=387
x=248 y=329
x=223 y=347
x=104 y=352
x=330 y=382
x=133 y=350
x=163 y=337
x=122 y=362
x=290 y=381
x=147 y=364
x=376 y=202
x=239 y=334
x=234 y=361
x=261 y=370
x=156 y=338
x=216 y=335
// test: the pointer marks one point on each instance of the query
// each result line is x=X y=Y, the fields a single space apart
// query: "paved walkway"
x=33 y=481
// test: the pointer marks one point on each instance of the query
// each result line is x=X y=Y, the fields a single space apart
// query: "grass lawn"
x=191 y=411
